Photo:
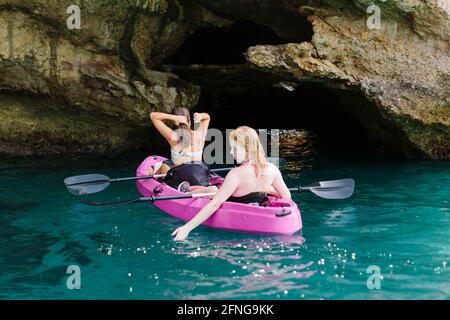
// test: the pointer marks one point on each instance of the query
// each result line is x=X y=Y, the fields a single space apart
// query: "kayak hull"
x=278 y=217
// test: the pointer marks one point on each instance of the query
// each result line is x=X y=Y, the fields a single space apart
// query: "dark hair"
x=184 y=131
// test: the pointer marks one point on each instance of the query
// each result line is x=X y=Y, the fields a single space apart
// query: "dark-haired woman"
x=185 y=170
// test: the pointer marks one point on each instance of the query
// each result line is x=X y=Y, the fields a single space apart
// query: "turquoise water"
x=398 y=220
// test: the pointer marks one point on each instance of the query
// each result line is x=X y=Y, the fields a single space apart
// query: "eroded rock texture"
x=90 y=90
x=103 y=73
x=404 y=68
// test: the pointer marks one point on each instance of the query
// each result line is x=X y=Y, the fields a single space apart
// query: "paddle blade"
x=335 y=189
x=86 y=184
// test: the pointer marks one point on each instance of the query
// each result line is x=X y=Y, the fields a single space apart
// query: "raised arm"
x=158 y=119
x=203 y=119
x=226 y=190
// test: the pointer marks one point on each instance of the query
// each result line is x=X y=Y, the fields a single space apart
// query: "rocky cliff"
x=91 y=89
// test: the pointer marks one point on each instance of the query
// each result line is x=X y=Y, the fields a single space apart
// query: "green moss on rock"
x=433 y=140
x=37 y=126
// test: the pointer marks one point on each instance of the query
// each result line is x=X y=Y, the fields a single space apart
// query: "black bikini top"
x=253 y=197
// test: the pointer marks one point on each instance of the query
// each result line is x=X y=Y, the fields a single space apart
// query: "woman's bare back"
x=269 y=181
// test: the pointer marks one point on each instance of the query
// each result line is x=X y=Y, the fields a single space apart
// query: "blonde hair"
x=247 y=138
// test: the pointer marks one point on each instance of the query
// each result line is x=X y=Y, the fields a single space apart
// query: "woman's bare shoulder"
x=234 y=174
x=236 y=170
x=241 y=171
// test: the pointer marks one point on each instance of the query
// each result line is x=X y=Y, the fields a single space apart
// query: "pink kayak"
x=278 y=216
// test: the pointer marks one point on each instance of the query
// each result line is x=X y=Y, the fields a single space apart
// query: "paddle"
x=152 y=199
x=335 y=189
x=92 y=183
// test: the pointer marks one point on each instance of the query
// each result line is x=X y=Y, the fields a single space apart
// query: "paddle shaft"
x=300 y=188
x=138 y=178
x=162 y=175
x=152 y=199
x=183 y=196
x=156 y=176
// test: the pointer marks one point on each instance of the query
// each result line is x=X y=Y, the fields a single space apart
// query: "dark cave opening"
x=227 y=45
x=234 y=93
x=310 y=107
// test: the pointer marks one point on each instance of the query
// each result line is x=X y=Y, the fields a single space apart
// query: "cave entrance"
x=310 y=106
x=235 y=93
x=227 y=45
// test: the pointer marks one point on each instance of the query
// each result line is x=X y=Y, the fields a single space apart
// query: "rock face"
x=91 y=90
x=404 y=68
x=101 y=72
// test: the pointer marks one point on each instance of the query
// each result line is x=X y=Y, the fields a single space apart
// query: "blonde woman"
x=251 y=182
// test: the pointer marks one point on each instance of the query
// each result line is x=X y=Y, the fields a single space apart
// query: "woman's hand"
x=181 y=233
x=197 y=117
x=228 y=187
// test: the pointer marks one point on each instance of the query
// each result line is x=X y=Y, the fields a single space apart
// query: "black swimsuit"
x=254 y=197
x=196 y=173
